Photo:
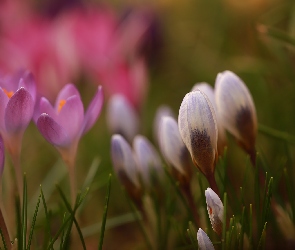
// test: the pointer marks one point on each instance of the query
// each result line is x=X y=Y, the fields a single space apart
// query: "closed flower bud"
x=215 y=210
x=209 y=92
x=203 y=241
x=173 y=149
x=125 y=165
x=148 y=161
x=162 y=111
x=236 y=109
x=197 y=127
x=122 y=117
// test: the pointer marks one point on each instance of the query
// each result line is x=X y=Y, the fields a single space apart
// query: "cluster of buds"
x=139 y=169
x=205 y=114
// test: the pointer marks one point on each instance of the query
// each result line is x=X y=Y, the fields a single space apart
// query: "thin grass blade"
x=104 y=218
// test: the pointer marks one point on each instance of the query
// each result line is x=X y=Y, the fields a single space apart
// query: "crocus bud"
x=197 y=127
x=148 y=161
x=174 y=151
x=215 y=210
x=209 y=92
x=161 y=112
x=125 y=165
x=203 y=241
x=122 y=117
x=236 y=109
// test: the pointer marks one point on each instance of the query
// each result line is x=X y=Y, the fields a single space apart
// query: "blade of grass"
x=72 y=212
x=91 y=173
x=62 y=238
x=276 y=134
x=33 y=223
x=61 y=229
x=241 y=245
x=138 y=219
x=261 y=244
x=57 y=172
x=192 y=238
x=47 y=219
x=104 y=217
x=24 y=213
x=223 y=240
x=277 y=34
x=250 y=226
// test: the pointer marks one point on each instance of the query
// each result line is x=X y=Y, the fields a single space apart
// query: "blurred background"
x=152 y=52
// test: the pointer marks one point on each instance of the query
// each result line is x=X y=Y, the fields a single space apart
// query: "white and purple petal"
x=198 y=129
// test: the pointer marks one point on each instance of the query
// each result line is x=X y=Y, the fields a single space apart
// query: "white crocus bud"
x=162 y=111
x=148 y=161
x=197 y=127
x=236 y=109
x=209 y=92
x=173 y=149
x=125 y=166
x=215 y=210
x=122 y=117
x=203 y=241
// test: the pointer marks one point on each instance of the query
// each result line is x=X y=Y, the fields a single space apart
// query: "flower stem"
x=213 y=184
x=191 y=203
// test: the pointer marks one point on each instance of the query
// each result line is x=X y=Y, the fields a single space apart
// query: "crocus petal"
x=2 y=156
x=46 y=107
x=71 y=116
x=236 y=108
x=52 y=131
x=19 y=111
x=203 y=241
x=93 y=110
x=121 y=117
x=67 y=91
x=28 y=82
x=215 y=210
x=172 y=146
x=209 y=92
x=3 y=102
x=162 y=111
x=123 y=160
x=148 y=160
x=197 y=127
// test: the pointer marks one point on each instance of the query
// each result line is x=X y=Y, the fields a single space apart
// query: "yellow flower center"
x=61 y=104
x=8 y=93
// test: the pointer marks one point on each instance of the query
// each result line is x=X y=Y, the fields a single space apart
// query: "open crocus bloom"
x=17 y=101
x=64 y=124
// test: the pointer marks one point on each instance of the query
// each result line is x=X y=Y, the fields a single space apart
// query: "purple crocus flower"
x=17 y=101
x=65 y=123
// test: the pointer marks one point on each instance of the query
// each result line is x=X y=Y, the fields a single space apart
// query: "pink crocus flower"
x=17 y=101
x=64 y=123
